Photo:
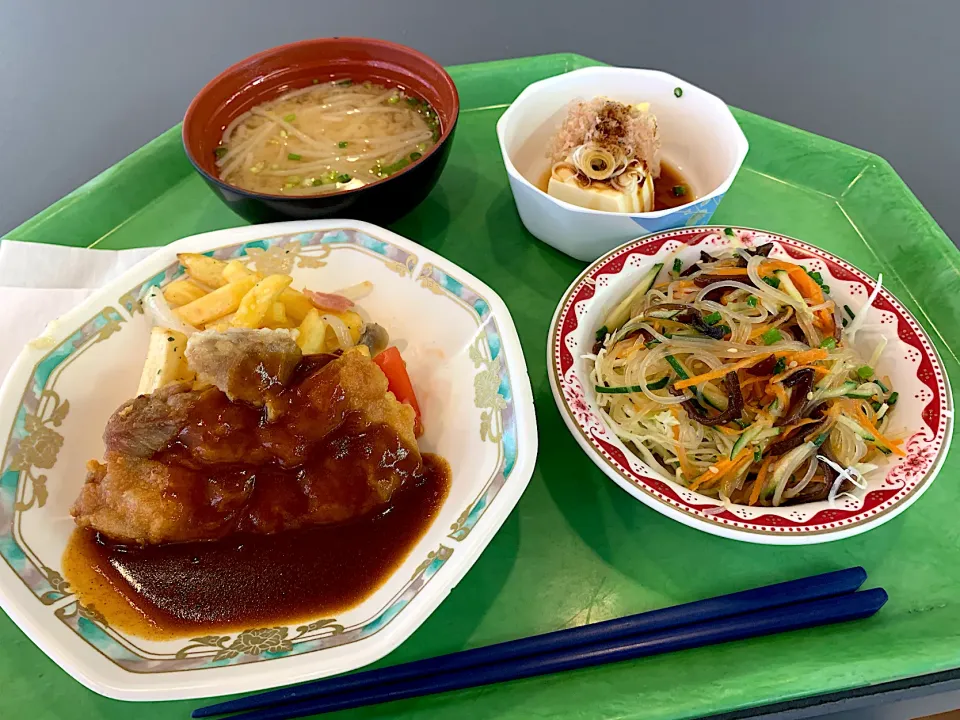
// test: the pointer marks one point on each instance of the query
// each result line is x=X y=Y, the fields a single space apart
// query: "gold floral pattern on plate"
x=39 y=448
x=281 y=258
x=486 y=395
x=258 y=640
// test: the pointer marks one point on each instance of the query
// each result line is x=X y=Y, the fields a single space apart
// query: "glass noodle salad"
x=737 y=377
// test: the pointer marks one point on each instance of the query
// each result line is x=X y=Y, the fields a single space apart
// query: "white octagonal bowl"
x=699 y=137
x=464 y=360
x=924 y=410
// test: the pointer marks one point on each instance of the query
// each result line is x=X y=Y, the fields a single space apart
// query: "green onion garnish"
x=892 y=400
x=316 y=82
x=821 y=439
x=651 y=343
x=677 y=367
x=826 y=289
x=771 y=336
x=729 y=231
x=289 y=118
x=219 y=152
x=412 y=101
x=679 y=191
x=828 y=343
x=817 y=277
x=757 y=454
x=602 y=332
x=864 y=372
x=677 y=265
x=677 y=92
x=316 y=182
x=726 y=329
x=344 y=178
x=345 y=83
x=394 y=99
x=752 y=301
x=882 y=386
x=779 y=366
x=414 y=156
x=623 y=389
x=342 y=144
x=293 y=156
x=772 y=281
x=849 y=311
x=876 y=406
x=712 y=319
x=292 y=181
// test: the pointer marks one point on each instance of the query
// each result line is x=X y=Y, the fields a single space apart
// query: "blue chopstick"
x=746 y=601
x=852 y=606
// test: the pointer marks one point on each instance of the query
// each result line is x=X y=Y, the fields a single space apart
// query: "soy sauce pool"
x=243 y=581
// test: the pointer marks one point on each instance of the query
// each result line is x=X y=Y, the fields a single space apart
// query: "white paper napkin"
x=39 y=282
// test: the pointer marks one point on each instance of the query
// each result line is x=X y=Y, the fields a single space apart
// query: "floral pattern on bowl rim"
x=501 y=397
x=919 y=375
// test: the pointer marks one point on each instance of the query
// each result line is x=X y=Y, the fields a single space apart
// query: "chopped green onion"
x=342 y=144
x=771 y=336
x=412 y=101
x=712 y=319
x=752 y=301
x=876 y=406
x=757 y=454
x=344 y=178
x=394 y=99
x=882 y=386
x=293 y=156
x=726 y=329
x=844 y=321
x=289 y=118
x=656 y=385
x=292 y=181
x=344 y=83
x=772 y=281
x=817 y=277
x=829 y=343
x=729 y=231
x=892 y=400
x=414 y=156
x=367 y=84
x=651 y=343
x=421 y=147
x=316 y=82
x=821 y=439
x=849 y=311
x=332 y=176
x=219 y=152
x=677 y=92
x=677 y=265
x=677 y=367
x=741 y=424
x=864 y=372
x=679 y=191
x=316 y=182
x=602 y=332
x=779 y=366
x=826 y=289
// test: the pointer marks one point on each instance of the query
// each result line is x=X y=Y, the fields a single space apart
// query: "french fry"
x=296 y=303
x=313 y=333
x=214 y=305
x=165 y=361
x=258 y=301
x=221 y=324
x=183 y=291
x=277 y=317
x=203 y=269
x=234 y=270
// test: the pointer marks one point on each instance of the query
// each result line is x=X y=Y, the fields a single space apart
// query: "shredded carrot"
x=761 y=479
x=727 y=431
x=817 y=369
x=722 y=468
x=805 y=357
x=719 y=372
x=886 y=442
x=784 y=431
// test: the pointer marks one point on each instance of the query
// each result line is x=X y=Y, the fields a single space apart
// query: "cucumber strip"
x=624 y=389
x=844 y=420
x=621 y=313
x=749 y=435
x=677 y=367
x=787 y=286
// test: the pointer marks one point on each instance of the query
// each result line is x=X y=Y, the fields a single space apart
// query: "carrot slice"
x=398 y=382
x=761 y=479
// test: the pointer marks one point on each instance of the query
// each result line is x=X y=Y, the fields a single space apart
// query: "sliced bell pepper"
x=398 y=382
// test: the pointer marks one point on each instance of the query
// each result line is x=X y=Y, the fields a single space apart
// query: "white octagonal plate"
x=464 y=360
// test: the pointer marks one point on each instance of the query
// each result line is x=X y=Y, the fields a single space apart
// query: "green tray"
x=578 y=549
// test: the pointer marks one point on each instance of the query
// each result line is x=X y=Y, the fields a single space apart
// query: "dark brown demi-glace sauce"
x=664 y=195
x=247 y=580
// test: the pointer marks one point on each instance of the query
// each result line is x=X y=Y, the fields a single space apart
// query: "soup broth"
x=327 y=137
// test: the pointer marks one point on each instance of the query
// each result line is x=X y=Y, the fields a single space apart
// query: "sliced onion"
x=163 y=315
x=356 y=292
x=340 y=329
x=587 y=156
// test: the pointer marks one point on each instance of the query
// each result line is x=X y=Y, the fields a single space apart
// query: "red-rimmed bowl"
x=924 y=409
x=266 y=75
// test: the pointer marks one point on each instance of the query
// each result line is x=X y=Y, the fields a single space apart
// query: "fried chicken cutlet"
x=278 y=442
